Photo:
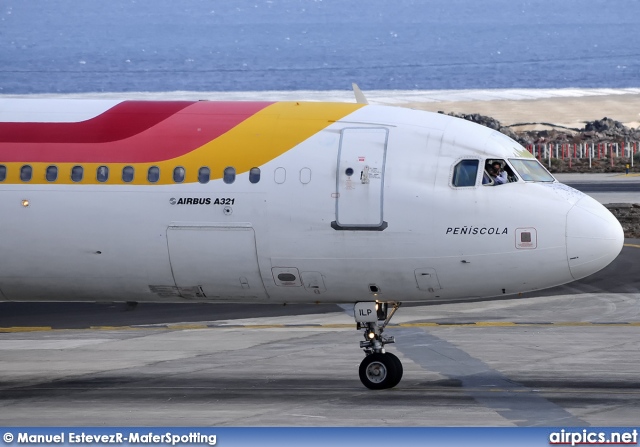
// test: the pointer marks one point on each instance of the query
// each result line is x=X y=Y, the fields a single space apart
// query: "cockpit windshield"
x=531 y=170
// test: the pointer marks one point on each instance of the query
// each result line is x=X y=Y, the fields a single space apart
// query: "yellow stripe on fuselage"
x=252 y=143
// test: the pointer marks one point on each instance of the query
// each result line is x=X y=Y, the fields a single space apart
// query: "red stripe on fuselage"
x=121 y=121
x=140 y=132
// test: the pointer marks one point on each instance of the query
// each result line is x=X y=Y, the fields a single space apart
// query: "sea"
x=93 y=46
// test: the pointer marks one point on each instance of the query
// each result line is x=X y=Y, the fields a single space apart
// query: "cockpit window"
x=498 y=172
x=465 y=173
x=531 y=170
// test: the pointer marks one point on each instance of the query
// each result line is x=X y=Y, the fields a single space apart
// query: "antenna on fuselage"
x=360 y=98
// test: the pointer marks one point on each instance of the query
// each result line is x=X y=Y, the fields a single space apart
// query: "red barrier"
x=585 y=151
x=611 y=153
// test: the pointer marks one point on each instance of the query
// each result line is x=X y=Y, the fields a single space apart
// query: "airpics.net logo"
x=588 y=437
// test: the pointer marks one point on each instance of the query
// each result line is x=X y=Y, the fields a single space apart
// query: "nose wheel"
x=379 y=369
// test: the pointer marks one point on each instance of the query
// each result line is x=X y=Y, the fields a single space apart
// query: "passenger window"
x=305 y=175
x=280 y=175
x=76 y=173
x=254 y=175
x=229 y=175
x=102 y=174
x=52 y=173
x=3 y=173
x=154 y=174
x=178 y=174
x=127 y=174
x=465 y=173
x=204 y=174
x=25 y=173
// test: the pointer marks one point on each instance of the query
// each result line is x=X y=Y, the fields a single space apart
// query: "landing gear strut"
x=379 y=369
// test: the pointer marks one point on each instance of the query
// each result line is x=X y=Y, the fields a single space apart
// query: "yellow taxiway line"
x=182 y=327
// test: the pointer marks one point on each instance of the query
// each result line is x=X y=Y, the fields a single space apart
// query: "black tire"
x=399 y=368
x=378 y=372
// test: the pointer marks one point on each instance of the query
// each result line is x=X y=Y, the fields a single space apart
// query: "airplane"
x=282 y=202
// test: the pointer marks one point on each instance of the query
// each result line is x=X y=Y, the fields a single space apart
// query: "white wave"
x=374 y=96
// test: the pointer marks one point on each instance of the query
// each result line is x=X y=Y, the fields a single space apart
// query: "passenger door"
x=360 y=179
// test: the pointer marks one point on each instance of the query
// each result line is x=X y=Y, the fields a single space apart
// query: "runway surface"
x=568 y=356
x=605 y=188
x=588 y=187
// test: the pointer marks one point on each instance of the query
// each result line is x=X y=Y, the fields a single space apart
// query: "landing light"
x=371 y=335
x=25 y=203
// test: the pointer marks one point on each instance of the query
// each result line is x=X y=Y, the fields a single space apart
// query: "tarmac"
x=605 y=188
x=565 y=360
x=567 y=356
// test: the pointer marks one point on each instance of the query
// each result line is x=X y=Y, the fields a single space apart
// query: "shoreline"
x=569 y=107
x=378 y=96
x=572 y=112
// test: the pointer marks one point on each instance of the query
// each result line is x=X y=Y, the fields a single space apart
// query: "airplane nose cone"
x=594 y=237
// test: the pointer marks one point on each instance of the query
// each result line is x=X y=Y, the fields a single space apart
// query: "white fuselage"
x=396 y=229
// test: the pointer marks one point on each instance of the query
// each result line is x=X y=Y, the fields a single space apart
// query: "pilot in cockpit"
x=494 y=174
x=498 y=174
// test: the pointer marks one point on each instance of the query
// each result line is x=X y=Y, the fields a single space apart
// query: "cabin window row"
x=128 y=173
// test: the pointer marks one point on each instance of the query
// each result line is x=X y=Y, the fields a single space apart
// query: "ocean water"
x=77 y=46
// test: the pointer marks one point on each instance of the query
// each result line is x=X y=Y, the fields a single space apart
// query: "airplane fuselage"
x=278 y=202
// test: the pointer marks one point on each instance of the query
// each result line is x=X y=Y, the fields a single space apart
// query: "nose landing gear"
x=379 y=369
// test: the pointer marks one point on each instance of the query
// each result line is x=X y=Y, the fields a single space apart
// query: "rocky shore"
x=628 y=214
x=605 y=130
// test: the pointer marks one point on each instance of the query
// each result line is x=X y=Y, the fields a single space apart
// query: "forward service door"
x=360 y=179
x=215 y=262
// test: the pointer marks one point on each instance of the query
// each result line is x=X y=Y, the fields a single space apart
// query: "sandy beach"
x=566 y=107
x=565 y=111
